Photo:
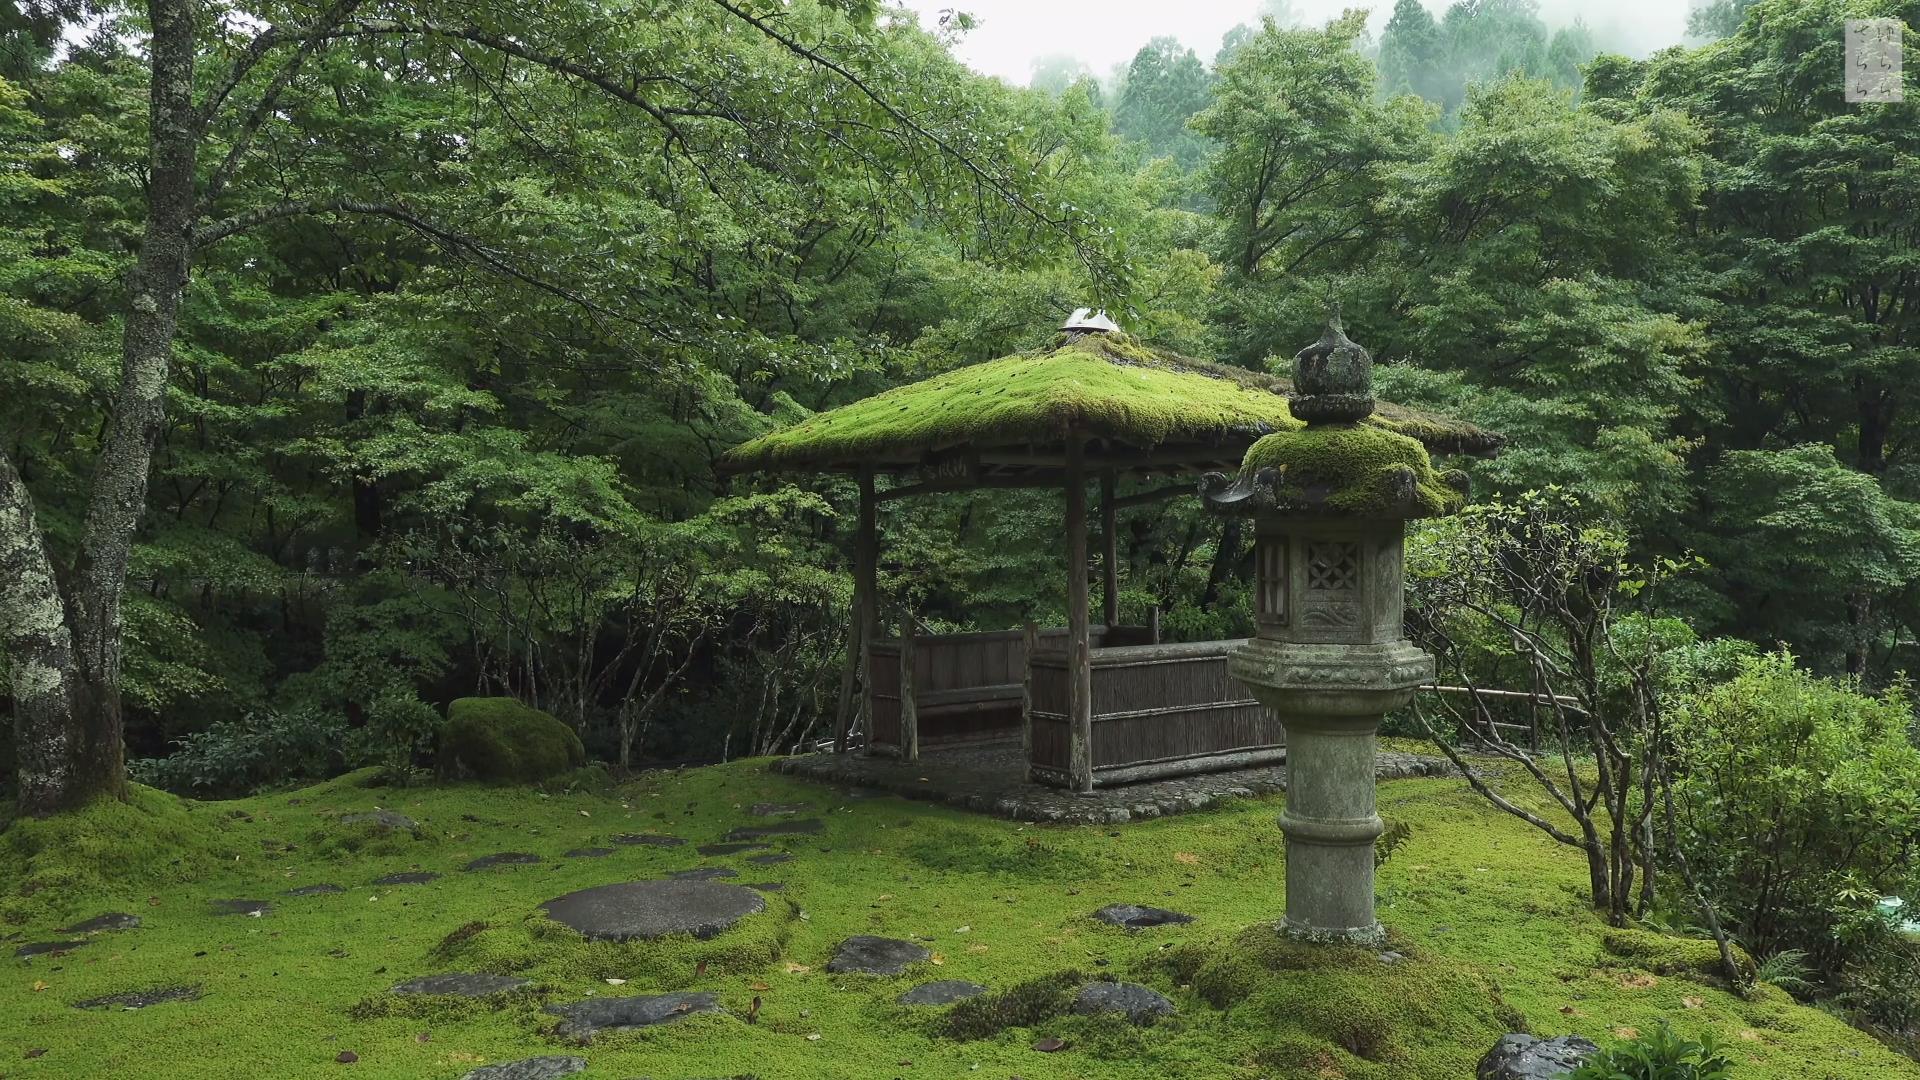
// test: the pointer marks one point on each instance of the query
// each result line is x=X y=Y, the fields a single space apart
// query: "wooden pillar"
x=909 y=712
x=1153 y=625
x=1109 y=552
x=866 y=609
x=1029 y=644
x=1079 y=652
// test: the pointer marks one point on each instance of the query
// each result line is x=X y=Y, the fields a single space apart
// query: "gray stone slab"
x=648 y=840
x=43 y=948
x=503 y=858
x=768 y=886
x=551 y=1067
x=589 y=853
x=944 y=992
x=1527 y=1057
x=256 y=908
x=322 y=889
x=583 y=1020
x=801 y=827
x=112 y=920
x=773 y=859
x=460 y=984
x=386 y=819
x=408 y=877
x=778 y=809
x=1140 y=1004
x=703 y=873
x=729 y=849
x=1139 y=917
x=652 y=909
x=140 y=999
x=867 y=955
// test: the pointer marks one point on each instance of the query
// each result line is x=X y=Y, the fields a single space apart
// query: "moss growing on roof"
x=1101 y=384
x=1353 y=469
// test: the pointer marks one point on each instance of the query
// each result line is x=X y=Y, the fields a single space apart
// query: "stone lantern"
x=1330 y=503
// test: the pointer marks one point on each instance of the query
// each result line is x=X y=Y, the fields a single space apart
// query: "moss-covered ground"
x=1487 y=915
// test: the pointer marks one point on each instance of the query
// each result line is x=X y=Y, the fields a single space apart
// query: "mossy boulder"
x=1352 y=469
x=497 y=738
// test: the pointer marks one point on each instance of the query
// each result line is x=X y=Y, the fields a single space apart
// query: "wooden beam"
x=866 y=604
x=1039 y=479
x=1109 y=553
x=909 y=709
x=1079 y=650
x=1160 y=494
x=1029 y=644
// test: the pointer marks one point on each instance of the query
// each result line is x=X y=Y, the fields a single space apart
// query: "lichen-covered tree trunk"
x=67 y=718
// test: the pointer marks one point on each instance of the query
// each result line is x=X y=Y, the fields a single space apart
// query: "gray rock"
x=944 y=992
x=768 y=886
x=651 y=909
x=112 y=920
x=728 y=849
x=802 y=827
x=42 y=948
x=648 y=840
x=1137 y=917
x=551 y=1067
x=255 y=908
x=777 y=809
x=140 y=999
x=386 y=819
x=322 y=889
x=409 y=877
x=1140 y=1004
x=1524 y=1057
x=589 y=853
x=703 y=873
x=583 y=1020
x=867 y=955
x=504 y=858
x=773 y=859
x=460 y=984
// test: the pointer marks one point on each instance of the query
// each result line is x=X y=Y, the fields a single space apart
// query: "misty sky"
x=1013 y=33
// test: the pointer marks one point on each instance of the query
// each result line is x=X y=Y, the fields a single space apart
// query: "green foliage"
x=260 y=749
x=501 y=739
x=1659 y=1055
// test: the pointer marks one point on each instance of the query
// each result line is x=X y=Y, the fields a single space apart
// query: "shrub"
x=1661 y=1055
x=1799 y=804
x=501 y=739
x=235 y=757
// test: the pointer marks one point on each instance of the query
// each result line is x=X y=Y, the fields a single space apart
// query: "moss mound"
x=1356 y=469
x=1664 y=955
x=110 y=848
x=539 y=948
x=501 y=739
x=1026 y=1004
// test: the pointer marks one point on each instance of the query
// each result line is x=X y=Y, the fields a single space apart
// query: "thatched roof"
x=1138 y=407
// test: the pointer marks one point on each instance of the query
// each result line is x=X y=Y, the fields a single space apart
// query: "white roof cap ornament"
x=1090 y=320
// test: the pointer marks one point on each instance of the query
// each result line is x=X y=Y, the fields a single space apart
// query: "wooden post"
x=909 y=712
x=1153 y=625
x=1030 y=644
x=1079 y=652
x=866 y=617
x=1109 y=552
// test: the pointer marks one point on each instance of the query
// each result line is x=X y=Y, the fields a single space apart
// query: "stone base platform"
x=992 y=780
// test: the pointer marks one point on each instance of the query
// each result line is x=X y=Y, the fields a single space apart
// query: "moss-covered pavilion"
x=1093 y=704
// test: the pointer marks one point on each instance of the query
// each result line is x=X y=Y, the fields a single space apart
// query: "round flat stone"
x=867 y=955
x=409 y=877
x=703 y=873
x=42 y=948
x=1138 y=917
x=770 y=860
x=944 y=992
x=589 y=853
x=653 y=909
x=322 y=889
x=460 y=984
x=728 y=849
x=648 y=840
x=551 y=1067
x=504 y=858
x=1140 y=1004
x=584 y=1019
x=112 y=920
x=803 y=827
x=386 y=819
x=256 y=908
x=140 y=999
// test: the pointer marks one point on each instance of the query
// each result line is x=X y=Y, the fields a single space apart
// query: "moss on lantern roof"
x=1103 y=385
x=1358 y=469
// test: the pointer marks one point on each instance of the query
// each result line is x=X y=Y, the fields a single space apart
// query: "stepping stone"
x=112 y=920
x=728 y=849
x=803 y=827
x=703 y=873
x=1140 y=1004
x=648 y=840
x=504 y=858
x=867 y=955
x=944 y=992
x=778 y=809
x=140 y=999
x=589 y=853
x=42 y=948
x=255 y=908
x=410 y=877
x=322 y=889
x=770 y=860
x=646 y=910
x=583 y=1020
x=540 y=1068
x=1136 y=917
x=386 y=819
x=767 y=886
x=460 y=984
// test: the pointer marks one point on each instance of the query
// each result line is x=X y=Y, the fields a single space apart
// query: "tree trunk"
x=45 y=680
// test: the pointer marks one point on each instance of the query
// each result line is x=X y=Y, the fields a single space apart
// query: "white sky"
x=1013 y=33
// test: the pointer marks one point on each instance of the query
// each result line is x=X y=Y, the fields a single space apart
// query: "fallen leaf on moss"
x=1187 y=858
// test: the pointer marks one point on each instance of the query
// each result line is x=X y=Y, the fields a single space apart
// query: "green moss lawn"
x=1487 y=914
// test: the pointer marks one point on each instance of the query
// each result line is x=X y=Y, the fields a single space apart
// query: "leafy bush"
x=1799 y=803
x=234 y=757
x=501 y=739
x=1661 y=1055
